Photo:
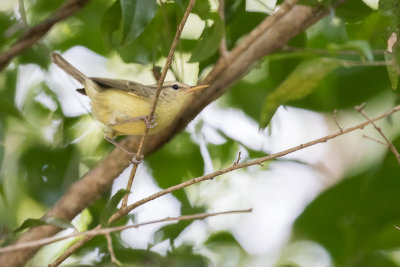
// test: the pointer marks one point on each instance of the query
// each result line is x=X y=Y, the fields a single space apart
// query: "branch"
x=156 y=97
x=107 y=231
x=379 y=130
x=87 y=189
x=37 y=32
x=373 y=139
x=111 y=250
x=223 y=50
x=237 y=165
x=68 y=252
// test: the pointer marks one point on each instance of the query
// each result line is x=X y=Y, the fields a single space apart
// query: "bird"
x=123 y=106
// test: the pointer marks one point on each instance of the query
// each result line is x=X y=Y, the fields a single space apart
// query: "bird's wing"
x=130 y=87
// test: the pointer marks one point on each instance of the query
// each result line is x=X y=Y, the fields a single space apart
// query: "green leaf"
x=324 y=3
x=170 y=232
x=110 y=24
x=37 y=54
x=393 y=69
x=136 y=14
x=391 y=9
x=222 y=238
x=136 y=257
x=209 y=40
x=9 y=109
x=239 y=22
x=340 y=89
x=353 y=11
x=355 y=219
x=201 y=8
x=29 y=223
x=57 y=221
x=49 y=171
x=142 y=49
x=185 y=256
x=178 y=160
x=40 y=9
x=301 y=82
x=84 y=28
x=111 y=206
x=261 y=80
x=223 y=154
x=359 y=45
x=7 y=20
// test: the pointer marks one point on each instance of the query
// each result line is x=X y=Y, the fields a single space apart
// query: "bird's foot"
x=136 y=159
x=150 y=122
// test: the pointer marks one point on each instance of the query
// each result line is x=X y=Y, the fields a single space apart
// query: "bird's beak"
x=195 y=88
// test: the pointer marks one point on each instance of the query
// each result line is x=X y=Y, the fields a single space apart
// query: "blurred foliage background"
x=337 y=63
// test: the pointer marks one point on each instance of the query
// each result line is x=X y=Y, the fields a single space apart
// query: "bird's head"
x=177 y=90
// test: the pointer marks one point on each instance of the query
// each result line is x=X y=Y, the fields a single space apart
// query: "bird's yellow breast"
x=114 y=106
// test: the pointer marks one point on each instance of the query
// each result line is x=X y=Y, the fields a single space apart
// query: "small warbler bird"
x=123 y=105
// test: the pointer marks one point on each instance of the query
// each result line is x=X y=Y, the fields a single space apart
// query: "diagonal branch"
x=379 y=130
x=37 y=32
x=156 y=97
x=107 y=231
x=236 y=165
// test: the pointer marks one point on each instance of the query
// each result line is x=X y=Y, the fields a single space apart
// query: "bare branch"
x=111 y=250
x=334 y=116
x=258 y=161
x=223 y=50
x=238 y=159
x=142 y=143
x=373 y=139
x=68 y=252
x=379 y=130
x=37 y=32
x=107 y=231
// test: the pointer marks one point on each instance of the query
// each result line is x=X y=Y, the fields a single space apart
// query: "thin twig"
x=379 y=130
x=258 y=161
x=111 y=250
x=320 y=51
x=334 y=116
x=156 y=97
x=37 y=32
x=349 y=63
x=223 y=50
x=373 y=139
x=238 y=159
x=69 y=251
x=107 y=231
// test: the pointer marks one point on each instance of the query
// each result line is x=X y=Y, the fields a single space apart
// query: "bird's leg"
x=133 y=156
x=150 y=123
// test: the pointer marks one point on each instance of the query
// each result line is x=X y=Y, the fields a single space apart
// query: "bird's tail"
x=68 y=68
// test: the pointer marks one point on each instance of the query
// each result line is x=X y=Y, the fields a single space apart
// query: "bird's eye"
x=175 y=87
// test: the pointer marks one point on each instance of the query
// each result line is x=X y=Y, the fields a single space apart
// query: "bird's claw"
x=136 y=159
x=112 y=123
x=150 y=122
